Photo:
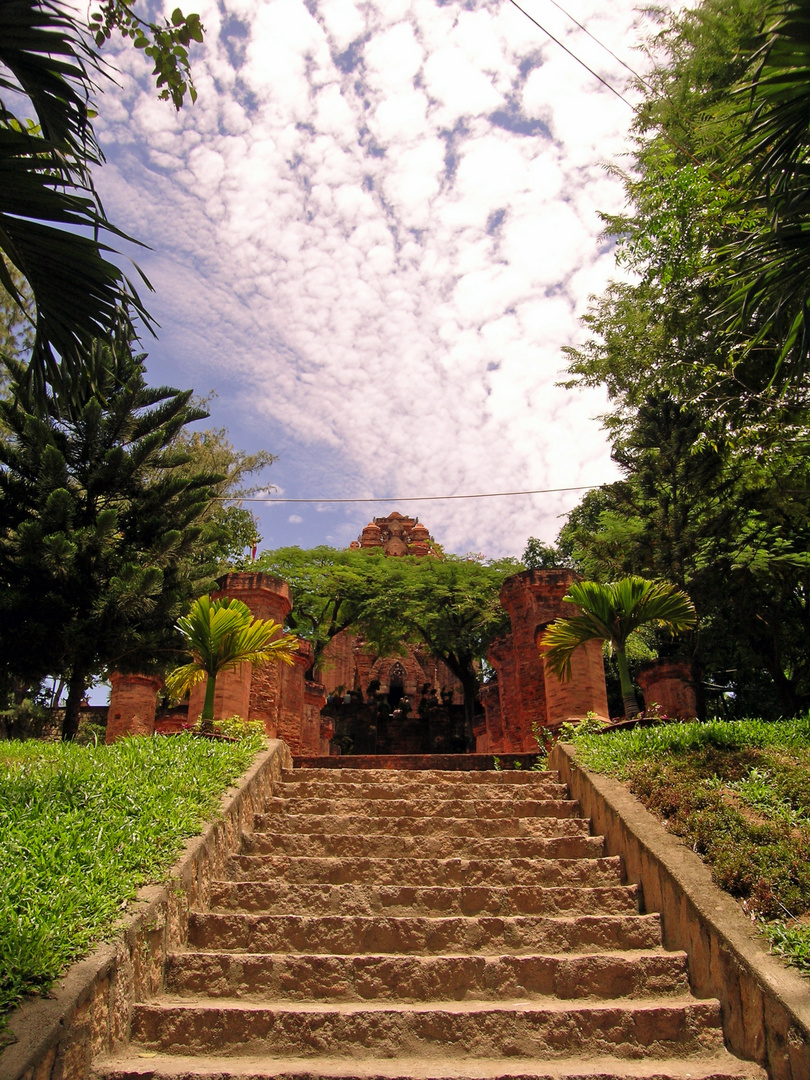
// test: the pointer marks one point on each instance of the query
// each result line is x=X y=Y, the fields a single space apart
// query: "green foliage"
x=166 y=43
x=612 y=613
x=221 y=635
x=739 y=795
x=82 y=828
x=540 y=556
x=53 y=229
x=229 y=527
x=232 y=727
x=449 y=605
x=328 y=587
x=769 y=259
x=99 y=535
x=612 y=753
x=708 y=413
x=791 y=941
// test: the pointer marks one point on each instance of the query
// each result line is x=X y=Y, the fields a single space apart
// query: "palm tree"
x=611 y=613
x=52 y=224
x=221 y=635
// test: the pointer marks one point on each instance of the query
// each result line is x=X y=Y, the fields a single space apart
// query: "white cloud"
x=375 y=231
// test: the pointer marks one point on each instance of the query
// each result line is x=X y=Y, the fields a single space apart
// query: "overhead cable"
x=413 y=498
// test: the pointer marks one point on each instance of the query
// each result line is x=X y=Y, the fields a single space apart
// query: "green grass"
x=82 y=829
x=738 y=793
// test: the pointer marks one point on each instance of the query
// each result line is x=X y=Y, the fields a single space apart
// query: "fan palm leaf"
x=221 y=635
x=612 y=613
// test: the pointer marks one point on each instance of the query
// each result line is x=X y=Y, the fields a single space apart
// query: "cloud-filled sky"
x=372 y=235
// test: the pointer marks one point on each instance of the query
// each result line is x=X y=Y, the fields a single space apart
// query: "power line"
x=601 y=44
x=415 y=498
x=661 y=129
x=573 y=55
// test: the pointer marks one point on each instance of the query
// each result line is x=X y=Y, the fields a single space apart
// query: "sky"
x=372 y=236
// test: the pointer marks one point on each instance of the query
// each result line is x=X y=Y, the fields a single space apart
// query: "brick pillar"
x=314 y=701
x=585 y=691
x=291 y=698
x=252 y=695
x=133 y=701
x=533 y=599
x=669 y=683
x=231 y=696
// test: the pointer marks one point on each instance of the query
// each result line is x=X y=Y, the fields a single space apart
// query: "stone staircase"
x=407 y=924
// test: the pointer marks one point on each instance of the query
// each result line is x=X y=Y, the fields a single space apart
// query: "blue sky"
x=372 y=236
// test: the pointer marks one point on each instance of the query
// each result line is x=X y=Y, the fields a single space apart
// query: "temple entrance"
x=396 y=685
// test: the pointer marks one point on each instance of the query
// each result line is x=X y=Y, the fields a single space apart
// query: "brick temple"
x=520 y=703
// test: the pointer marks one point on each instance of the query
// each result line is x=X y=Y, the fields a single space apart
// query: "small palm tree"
x=611 y=613
x=221 y=635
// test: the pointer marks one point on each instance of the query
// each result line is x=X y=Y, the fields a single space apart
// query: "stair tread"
x=507 y=1006
x=704 y=1067
x=619 y=954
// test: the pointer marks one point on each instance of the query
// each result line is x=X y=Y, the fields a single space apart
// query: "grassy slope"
x=739 y=794
x=82 y=829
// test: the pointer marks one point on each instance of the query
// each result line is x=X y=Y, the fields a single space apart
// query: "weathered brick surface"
x=525 y=694
x=132 y=705
x=669 y=683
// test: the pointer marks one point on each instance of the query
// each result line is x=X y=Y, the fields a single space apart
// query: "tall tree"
x=98 y=530
x=769 y=259
x=450 y=606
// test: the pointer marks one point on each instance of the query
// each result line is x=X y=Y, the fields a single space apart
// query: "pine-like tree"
x=99 y=525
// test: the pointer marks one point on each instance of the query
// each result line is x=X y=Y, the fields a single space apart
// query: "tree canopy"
x=449 y=606
x=709 y=410
x=100 y=526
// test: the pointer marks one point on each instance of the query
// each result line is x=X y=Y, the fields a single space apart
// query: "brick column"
x=252 y=695
x=668 y=683
x=133 y=701
x=291 y=699
x=314 y=700
x=585 y=691
x=534 y=599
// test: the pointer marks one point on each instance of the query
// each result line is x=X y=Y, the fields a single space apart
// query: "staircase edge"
x=765 y=1006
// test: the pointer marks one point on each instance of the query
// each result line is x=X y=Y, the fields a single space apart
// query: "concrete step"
x=387 y=977
x=386 y=770
x=547 y=786
x=548 y=1028
x=153 y=1066
x=345 y=934
x=298 y=824
x=279 y=898
x=473 y=807
x=335 y=871
x=381 y=846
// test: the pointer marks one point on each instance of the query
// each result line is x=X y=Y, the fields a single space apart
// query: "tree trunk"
x=77 y=685
x=208 y=704
x=631 y=708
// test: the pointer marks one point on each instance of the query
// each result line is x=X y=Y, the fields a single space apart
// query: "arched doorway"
x=396 y=684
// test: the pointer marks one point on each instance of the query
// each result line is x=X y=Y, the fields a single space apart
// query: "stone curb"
x=88 y=1012
x=765 y=1005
